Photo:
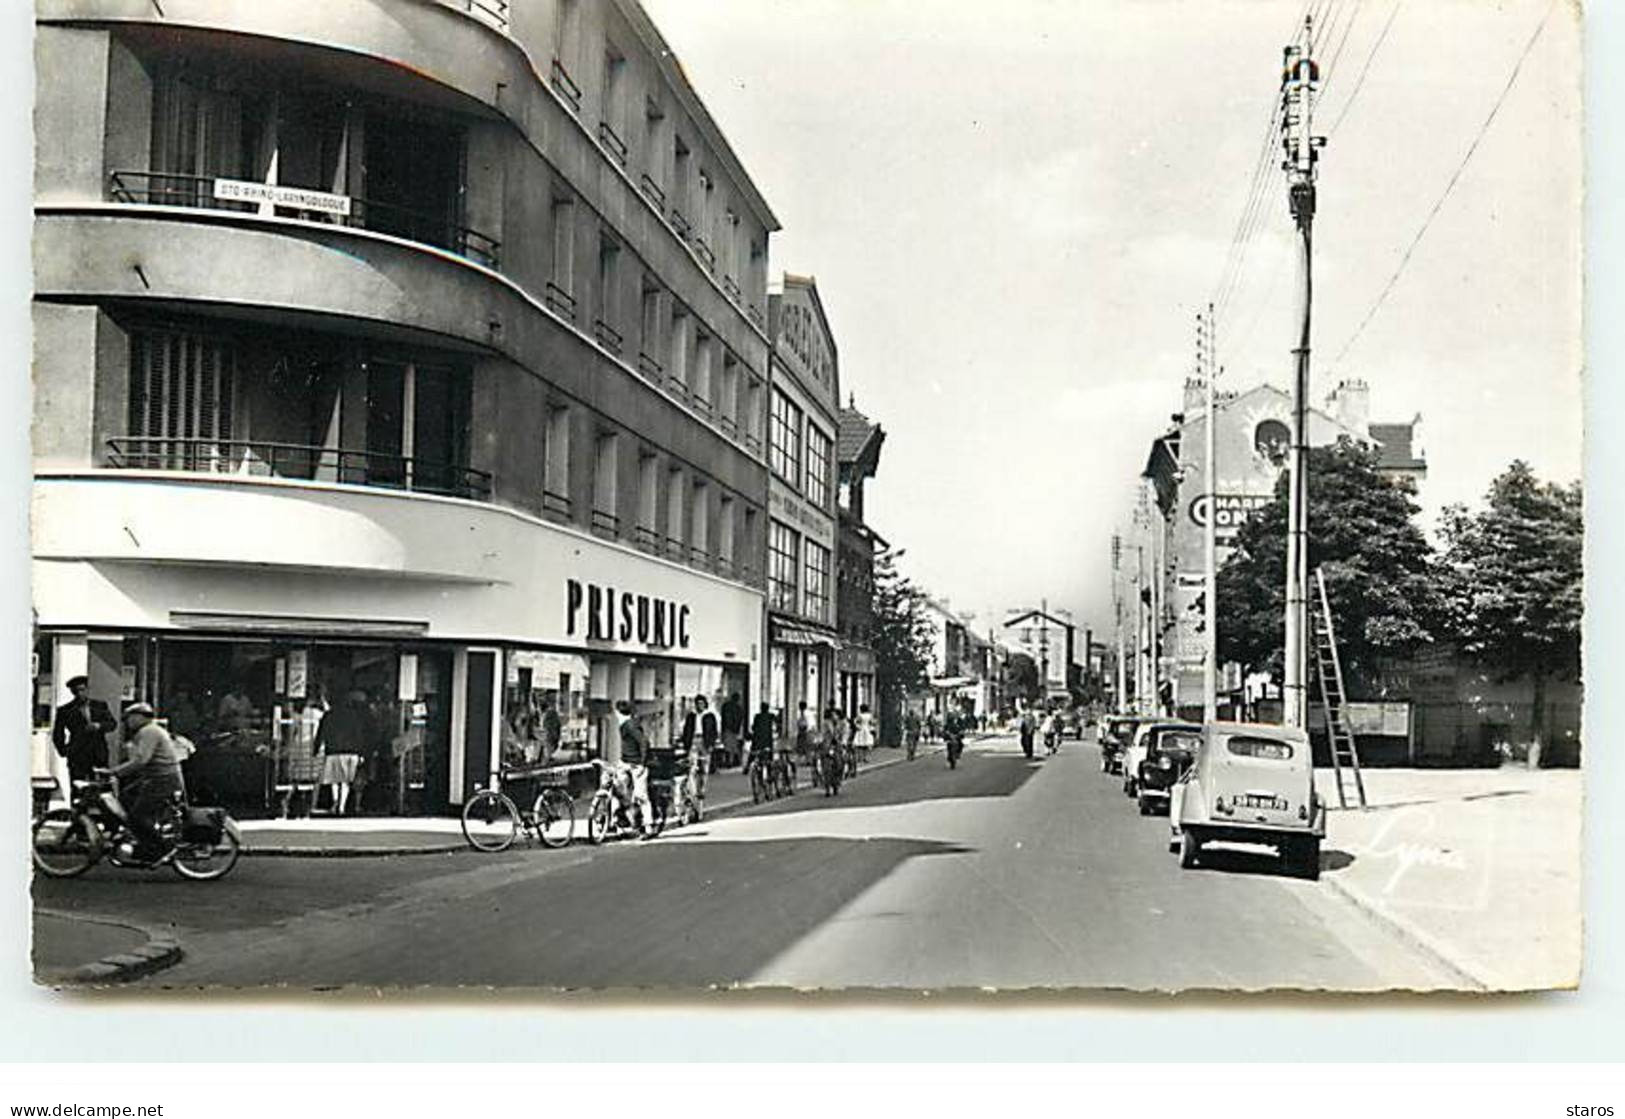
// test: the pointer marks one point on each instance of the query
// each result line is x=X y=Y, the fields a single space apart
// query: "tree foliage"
x=901 y=639
x=1514 y=573
x=1021 y=678
x=1386 y=595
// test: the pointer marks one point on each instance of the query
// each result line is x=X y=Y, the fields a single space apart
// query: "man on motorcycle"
x=635 y=758
x=149 y=777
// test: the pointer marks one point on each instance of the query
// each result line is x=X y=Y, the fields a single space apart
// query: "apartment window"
x=784 y=439
x=654 y=118
x=752 y=419
x=565 y=38
x=561 y=288
x=677 y=360
x=649 y=320
x=604 y=327
x=728 y=394
x=726 y=526
x=681 y=164
x=180 y=387
x=817 y=584
x=648 y=500
x=703 y=220
x=674 y=513
x=610 y=128
x=700 y=383
x=556 y=463
x=783 y=544
x=605 y=489
x=699 y=521
x=819 y=447
x=750 y=541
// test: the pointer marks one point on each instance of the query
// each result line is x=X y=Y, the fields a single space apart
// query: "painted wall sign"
x=606 y=614
x=238 y=190
x=1234 y=509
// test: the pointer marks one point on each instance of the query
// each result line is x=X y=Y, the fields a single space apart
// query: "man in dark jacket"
x=80 y=730
x=635 y=757
x=762 y=730
x=733 y=729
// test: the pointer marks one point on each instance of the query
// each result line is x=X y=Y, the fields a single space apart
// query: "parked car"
x=1137 y=751
x=1072 y=725
x=1170 y=750
x=1250 y=783
x=1115 y=735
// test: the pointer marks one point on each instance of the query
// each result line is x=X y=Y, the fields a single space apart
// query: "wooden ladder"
x=1329 y=670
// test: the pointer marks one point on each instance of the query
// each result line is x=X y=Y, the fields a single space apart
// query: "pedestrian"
x=804 y=738
x=635 y=758
x=552 y=731
x=733 y=730
x=863 y=732
x=709 y=734
x=344 y=739
x=80 y=729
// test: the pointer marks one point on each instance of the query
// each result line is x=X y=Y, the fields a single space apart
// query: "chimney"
x=1195 y=396
x=1350 y=405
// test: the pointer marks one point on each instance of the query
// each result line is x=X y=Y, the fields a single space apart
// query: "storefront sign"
x=606 y=614
x=1234 y=509
x=297 y=666
x=1375 y=718
x=237 y=190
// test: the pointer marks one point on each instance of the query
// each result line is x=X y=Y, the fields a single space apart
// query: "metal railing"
x=731 y=286
x=493 y=12
x=729 y=427
x=607 y=336
x=697 y=555
x=266 y=459
x=605 y=521
x=162 y=188
x=566 y=86
x=652 y=189
x=679 y=224
x=703 y=251
x=675 y=548
x=755 y=314
x=555 y=502
x=560 y=301
x=677 y=386
x=646 y=538
x=650 y=368
x=611 y=141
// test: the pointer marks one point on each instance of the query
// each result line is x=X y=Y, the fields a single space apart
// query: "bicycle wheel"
x=204 y=862
x=490 y=821
x=600 y=819
x=65 y=844
x=758 y=785
x=555 y=817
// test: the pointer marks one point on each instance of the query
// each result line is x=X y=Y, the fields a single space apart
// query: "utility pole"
x=1120 y=696
x=1299 y=79
x=1151 y=519
x=1208 y=344
x=1043 y=651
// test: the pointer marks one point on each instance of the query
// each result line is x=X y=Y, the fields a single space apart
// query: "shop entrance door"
x=479 y=710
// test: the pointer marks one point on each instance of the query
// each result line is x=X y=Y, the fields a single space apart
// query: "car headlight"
x=1165 y=762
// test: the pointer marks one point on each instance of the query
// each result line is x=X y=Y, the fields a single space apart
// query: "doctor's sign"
x=1234 y=508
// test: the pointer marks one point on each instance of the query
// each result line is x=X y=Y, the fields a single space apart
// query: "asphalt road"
x=1005 y=873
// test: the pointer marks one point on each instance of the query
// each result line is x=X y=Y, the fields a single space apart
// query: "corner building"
x=405 y=351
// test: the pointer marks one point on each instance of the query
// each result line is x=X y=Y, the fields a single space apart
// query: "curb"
x=157 y=953
x=1411 y=934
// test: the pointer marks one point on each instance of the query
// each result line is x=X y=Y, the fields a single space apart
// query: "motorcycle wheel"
x=205 y=862
x=65 y=844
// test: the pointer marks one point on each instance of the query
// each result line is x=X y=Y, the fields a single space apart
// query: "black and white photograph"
x=840 y=497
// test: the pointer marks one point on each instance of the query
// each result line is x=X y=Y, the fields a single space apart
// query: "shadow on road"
x=1262 y=861
x=683 y=915
x=925 y=778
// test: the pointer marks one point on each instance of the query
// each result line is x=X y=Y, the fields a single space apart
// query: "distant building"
x=1049 y=637
x=857 y=450
x=1252 y=444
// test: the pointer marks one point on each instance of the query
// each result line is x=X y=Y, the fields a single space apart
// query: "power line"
x=1365 y=69
x=1454 y=178
x=1337 y=53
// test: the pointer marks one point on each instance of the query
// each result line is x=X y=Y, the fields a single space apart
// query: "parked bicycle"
x=201 y=844
x=492 y=821
x=613 y=811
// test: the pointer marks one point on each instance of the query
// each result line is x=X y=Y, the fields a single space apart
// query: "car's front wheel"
x=1190 y=850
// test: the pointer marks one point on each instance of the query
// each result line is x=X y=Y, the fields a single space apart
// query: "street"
x=1005 y=873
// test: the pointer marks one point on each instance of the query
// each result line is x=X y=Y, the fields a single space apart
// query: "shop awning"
x=784 y=634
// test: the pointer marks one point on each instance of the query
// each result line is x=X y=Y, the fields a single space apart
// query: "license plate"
x=1259 y=800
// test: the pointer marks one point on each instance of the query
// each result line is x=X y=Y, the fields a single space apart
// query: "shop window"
x=547 y=715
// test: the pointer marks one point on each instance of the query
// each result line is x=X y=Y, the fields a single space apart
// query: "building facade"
x=801 y=540
x=407 y=352
x=1252 y=442
x=858 y=447
x=1049 y=637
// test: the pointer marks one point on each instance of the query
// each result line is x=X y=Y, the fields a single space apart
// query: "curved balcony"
x=259 y=458
x=205 y=192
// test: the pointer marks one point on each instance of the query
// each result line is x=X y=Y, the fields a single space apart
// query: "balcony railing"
x=494 y=12
x=605 y=522
x=646 y=538
x=729 y=427
x=607 y=336
x=652 y=189
x=704 y=252
x=555 y=502
x=612 y=142
x=650 y=368
x=730 y=286
x=725 y=567
x=679 y=224
x=203 y=192
x=697 y=555
x=755 y=314
x=560 y=301
x=264 y=459
x=566 y=86
x=675 y=548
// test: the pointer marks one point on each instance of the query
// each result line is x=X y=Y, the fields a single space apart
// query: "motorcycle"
x=200 y=844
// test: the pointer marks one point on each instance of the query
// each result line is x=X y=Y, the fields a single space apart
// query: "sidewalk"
x=70 y=949
x=1480 y=868
x=360 y=836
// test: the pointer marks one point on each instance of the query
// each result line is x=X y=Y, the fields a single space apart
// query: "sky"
x=1015 y=210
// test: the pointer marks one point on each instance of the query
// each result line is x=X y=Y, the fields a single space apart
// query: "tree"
x=1386 y=595
x=901 y=640
x=1021 y=676
x=1514 y=576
